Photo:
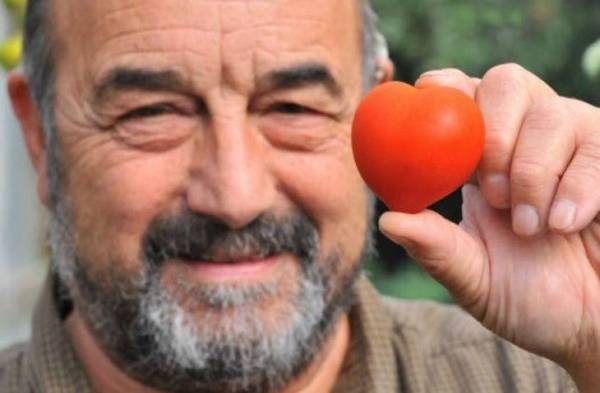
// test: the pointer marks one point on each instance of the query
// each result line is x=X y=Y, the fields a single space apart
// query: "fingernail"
x=526 y=220
x=433 y=73
x=498 y=187
x=562 y=215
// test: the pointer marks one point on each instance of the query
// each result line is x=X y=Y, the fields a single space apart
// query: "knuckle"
x=498 y=144
x=504 y=84
x=506 y=72
x=591 y=148
x=587 y=169
x=583 y=177
x=530 y=174
x=546 y=114
x=449 y=77
x=496 y=155
x=453 y=71
x=583 y=174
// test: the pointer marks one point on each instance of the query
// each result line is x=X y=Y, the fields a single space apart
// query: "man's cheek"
x=140 y=184
x=337 y=195
x=111 y=210
x=333 y=195
x=103 y=241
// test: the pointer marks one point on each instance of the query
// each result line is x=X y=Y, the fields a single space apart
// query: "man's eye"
x=149 y=111
x=290 y=108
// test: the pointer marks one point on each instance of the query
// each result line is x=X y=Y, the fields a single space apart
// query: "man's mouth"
x=232 y=267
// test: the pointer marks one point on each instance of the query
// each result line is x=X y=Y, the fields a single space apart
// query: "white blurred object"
x=21 y=269
x=18 y=292
x=591 y=60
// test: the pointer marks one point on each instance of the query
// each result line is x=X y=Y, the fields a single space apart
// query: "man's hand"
x=525 y=261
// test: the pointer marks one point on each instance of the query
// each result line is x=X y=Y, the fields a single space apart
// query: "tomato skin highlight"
x=415 y=146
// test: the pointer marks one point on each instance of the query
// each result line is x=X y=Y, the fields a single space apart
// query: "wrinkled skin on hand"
x=525 y=261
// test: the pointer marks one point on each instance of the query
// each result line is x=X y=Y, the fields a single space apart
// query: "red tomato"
x=415 y=146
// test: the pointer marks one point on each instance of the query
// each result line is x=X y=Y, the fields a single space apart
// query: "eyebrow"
x=302 y=75
x=124 y=79
x=142 y=79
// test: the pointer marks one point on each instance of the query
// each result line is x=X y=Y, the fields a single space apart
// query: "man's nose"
x=230 y=176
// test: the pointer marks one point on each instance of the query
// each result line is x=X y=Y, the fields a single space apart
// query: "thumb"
x=448 y=253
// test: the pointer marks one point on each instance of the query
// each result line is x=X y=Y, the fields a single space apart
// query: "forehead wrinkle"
x=263 y=34
x=142 y=16
x=97 y=30
x=133 y=36
x=119 y=11
x=168 y=38
x=238 y=29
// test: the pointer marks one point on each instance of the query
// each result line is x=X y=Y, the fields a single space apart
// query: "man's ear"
x=385 y=70
x=32 y=128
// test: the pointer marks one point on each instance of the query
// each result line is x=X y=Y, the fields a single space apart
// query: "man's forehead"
x=118 y=17
x=238 y=34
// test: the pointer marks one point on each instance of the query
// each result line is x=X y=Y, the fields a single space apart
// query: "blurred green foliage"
x=548 y=37
x=409 y=282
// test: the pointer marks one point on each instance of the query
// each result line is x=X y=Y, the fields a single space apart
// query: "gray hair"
x=39 y=68
x=40 y=71
x=374 y=47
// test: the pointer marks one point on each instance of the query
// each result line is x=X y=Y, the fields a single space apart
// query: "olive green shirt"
x=397 y=346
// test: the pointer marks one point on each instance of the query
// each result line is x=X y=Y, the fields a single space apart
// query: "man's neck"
x=320 y=376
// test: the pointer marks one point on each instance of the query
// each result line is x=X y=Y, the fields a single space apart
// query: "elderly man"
x=208 y=222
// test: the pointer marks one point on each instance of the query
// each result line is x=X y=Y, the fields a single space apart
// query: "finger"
x=504 y=95
x=544 y=148
x=577 y=200
x=448 y=253
x=449 y=77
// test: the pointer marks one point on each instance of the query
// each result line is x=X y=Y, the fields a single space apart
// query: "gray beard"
x=231 y=345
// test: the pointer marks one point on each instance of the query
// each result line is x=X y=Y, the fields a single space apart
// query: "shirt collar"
x=53 y=364
x=371 y=365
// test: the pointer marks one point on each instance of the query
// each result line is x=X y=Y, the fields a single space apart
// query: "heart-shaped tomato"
x=415 y=146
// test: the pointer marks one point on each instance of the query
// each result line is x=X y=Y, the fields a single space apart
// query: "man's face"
x=224 y=121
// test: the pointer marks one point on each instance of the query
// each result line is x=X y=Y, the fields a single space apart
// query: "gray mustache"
x=190 y=236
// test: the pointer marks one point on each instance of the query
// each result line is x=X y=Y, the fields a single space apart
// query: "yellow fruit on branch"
x=10 y=51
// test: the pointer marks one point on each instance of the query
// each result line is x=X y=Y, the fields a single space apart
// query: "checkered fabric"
x=397 y=346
